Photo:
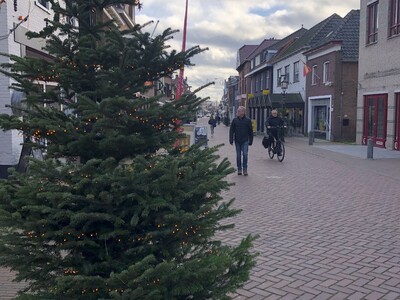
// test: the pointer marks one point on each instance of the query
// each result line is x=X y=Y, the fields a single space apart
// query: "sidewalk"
x=384 y=162
x=358 y=150
x=8 y=289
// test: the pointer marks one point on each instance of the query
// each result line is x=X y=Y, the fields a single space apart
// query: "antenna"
x=155 y=28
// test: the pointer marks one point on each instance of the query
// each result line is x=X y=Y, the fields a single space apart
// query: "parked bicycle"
x=277 y=146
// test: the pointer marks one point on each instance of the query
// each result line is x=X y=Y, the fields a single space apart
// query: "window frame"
x=394 y=18
x=372 y=23
x=296 y=68
x=263 y=84
x=267 y=76
x=278 y=77
x=314 y=75
x=258 y=83
x=325 y=77
x=252 y=85
x=287 y=73
x=264 y=56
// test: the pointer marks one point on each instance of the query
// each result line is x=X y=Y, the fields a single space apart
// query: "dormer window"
x=264 y=56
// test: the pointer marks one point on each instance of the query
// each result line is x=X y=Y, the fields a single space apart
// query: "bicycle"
x=277 y=147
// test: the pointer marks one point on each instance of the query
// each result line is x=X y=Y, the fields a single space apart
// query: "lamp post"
x=284 y=86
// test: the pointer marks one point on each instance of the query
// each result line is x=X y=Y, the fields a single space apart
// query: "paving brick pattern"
x=328 y=224
x=8 y=288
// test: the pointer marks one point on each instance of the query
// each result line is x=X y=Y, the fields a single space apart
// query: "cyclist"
x=271 y=124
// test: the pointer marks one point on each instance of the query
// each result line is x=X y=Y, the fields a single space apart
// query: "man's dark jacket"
x=241 y=130
x=274 y=122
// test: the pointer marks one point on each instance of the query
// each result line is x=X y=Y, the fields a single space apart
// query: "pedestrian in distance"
x=213 y=123
x=272 y=125
x=241 y=133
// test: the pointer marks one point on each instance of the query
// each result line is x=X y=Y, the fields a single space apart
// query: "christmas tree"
x=114 y=210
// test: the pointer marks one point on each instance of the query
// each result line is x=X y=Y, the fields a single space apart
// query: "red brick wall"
x=343 y=92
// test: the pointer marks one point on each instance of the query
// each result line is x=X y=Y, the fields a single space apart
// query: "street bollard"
x=370 y=149
x=310 y=137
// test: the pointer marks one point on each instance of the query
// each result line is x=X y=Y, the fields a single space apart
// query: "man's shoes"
x=240 y=172
x=245 y=173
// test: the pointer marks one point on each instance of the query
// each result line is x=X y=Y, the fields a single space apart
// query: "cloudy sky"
x=225 y=25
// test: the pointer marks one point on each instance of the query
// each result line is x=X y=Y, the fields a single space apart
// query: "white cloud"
x=225 y=25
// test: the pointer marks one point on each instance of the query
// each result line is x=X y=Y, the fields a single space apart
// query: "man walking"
x=213 y=123
x=241 y=132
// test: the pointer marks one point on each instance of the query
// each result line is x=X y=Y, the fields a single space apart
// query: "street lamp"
x=284 y=86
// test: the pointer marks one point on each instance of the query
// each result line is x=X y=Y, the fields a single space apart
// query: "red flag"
x=306 y=70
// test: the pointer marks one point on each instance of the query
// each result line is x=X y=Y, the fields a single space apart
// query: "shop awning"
x=289 y=100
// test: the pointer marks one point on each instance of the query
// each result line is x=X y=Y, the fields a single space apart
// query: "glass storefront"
x=320 y=118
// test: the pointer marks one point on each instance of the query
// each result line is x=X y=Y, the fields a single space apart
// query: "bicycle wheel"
x=281 y=151
x=271 y=152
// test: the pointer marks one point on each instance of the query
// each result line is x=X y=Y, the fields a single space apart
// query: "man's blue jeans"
x=242 y=149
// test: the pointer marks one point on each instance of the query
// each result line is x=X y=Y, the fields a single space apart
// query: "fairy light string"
x=158 y=124
x=180 y=232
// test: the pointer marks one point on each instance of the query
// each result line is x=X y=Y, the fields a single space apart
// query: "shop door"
x=375 y=120
x=321 y=121
x=396 y=141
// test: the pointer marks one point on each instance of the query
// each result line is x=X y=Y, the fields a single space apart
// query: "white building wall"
x=15 y=44
x=379 y=68
x=10 y=142
x=293 y=87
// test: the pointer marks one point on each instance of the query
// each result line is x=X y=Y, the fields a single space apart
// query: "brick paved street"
x=328 y=223
x=8 y=289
